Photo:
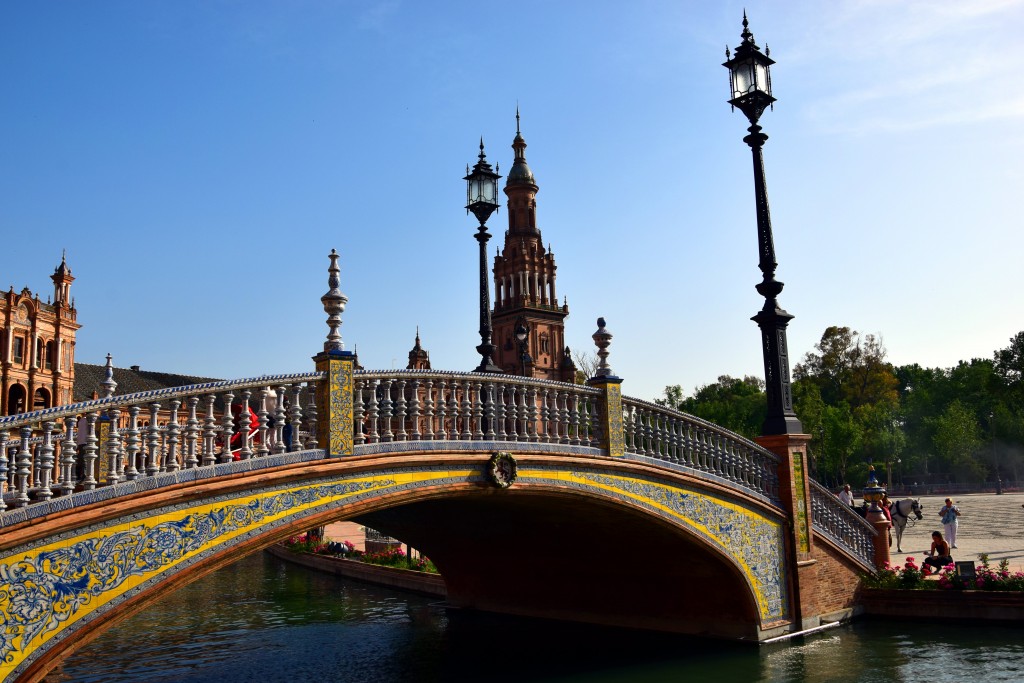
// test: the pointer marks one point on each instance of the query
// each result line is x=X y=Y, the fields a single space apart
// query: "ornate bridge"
x=531 y=496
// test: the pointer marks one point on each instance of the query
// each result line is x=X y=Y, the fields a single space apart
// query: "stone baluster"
x=4 y=466
x=453 y=409
x=244 y=423
x=153 y=440
x=414 y=410
x=311 y=417
x=595 y=429
x=191 y=452
x=488 y=389
x=68 y=453
x=227 y=428
x=512 y=410
x=477 y=412
x=372 y=414
x=359 y=411
x=466 y=412
x=546 y=415
x=116 y=468
x=442 y=410
x=89 y=453
x=428 y=410
x=500 y=414
x=400 y=411
x=386 y=411
x=574 y=420
x=45 y=454
x=650 y=433
x=131 y=449
x=296 y=417
x=263 y=445
x=210 y=432
x=24 y=471
x=531 y=414
x=280 y=417
x=172 y=439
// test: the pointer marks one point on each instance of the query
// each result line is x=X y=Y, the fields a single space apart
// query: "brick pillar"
x=794 y=492
x=613 y=436
x=334 y=398
x=876 y=518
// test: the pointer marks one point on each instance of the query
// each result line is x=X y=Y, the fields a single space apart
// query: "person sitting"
x=939 y=554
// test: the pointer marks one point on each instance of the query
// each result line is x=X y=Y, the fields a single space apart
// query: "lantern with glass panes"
x=750 y=76
x=482 y=200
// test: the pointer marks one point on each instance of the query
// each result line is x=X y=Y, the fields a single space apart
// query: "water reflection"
x=264 y=620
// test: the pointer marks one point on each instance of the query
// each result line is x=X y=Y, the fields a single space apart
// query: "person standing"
x=950 y=520
x=846 y=496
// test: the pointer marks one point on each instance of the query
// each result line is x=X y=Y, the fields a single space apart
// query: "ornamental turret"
x=524 y=284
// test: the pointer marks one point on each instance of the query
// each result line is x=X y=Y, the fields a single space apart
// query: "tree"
x=738 y=405
x=586 y=365
x=957 y=439
x=849 y=368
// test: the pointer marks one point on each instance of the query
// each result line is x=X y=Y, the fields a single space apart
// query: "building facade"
x=37 y=346
x=528 y=320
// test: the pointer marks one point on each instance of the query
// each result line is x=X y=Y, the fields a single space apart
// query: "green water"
x=266 y=621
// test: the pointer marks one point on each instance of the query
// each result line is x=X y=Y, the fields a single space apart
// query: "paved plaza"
x=988 y=524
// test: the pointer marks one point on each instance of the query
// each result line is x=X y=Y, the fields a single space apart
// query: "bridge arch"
x=71 y=574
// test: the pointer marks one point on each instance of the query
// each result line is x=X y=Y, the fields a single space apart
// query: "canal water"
x=262 y=620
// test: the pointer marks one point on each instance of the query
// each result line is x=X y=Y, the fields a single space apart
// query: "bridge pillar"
x=613 y=435
x=794 y=492
x=334 y=395
x=334 y=398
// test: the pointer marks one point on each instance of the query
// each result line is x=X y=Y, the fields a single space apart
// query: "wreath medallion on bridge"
x=501 y=469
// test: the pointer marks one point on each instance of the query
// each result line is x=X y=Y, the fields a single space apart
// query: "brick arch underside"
x=540 y=549
x=563 y=556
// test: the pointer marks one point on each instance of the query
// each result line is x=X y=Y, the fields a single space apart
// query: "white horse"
x=901 y=511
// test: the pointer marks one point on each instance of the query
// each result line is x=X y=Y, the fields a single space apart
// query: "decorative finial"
x=747 y=36
x=602 y=338
x=108 y=384
x=517 y=117
x=334 y=305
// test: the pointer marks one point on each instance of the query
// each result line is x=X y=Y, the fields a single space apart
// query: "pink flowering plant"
x=912 y=577
x=392 y=557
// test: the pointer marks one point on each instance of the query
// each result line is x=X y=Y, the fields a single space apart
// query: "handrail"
x=839 y=523
x=668 y=435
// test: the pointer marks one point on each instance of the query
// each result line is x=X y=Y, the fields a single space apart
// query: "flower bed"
x=912 y=592
x=393 y=557
x=912 y=577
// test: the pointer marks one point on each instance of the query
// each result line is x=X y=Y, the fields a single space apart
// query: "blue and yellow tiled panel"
x=335 y=399
x=48 y=590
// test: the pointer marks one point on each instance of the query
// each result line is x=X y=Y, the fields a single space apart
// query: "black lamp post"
x=751 y=89
x=522 y=333
x=482 y=200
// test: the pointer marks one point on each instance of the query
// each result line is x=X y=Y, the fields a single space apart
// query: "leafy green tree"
x=957 y=439
x=739 y=405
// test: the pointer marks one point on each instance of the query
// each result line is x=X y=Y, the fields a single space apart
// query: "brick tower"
x=524 y=286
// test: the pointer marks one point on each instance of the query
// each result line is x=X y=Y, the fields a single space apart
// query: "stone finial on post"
x=334 y=395
x=602 y=339
x=334 y=305
x=613 y=438
x=108 y=384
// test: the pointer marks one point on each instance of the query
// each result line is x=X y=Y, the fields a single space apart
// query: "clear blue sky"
x=198 y=161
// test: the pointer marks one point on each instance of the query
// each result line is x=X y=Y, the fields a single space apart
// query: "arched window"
x=48 y=355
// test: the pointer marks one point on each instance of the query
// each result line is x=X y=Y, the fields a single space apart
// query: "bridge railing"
x=839 y=523
x=424 y=405
x=671 y=436
x=80 y=446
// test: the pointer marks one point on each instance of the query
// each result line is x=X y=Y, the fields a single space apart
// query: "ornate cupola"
x=524 y=284
x=62 y=280
x=419 y=358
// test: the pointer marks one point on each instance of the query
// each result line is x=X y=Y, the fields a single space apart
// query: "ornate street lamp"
x=522 y=333
x=750 y=84
x=482 y=200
